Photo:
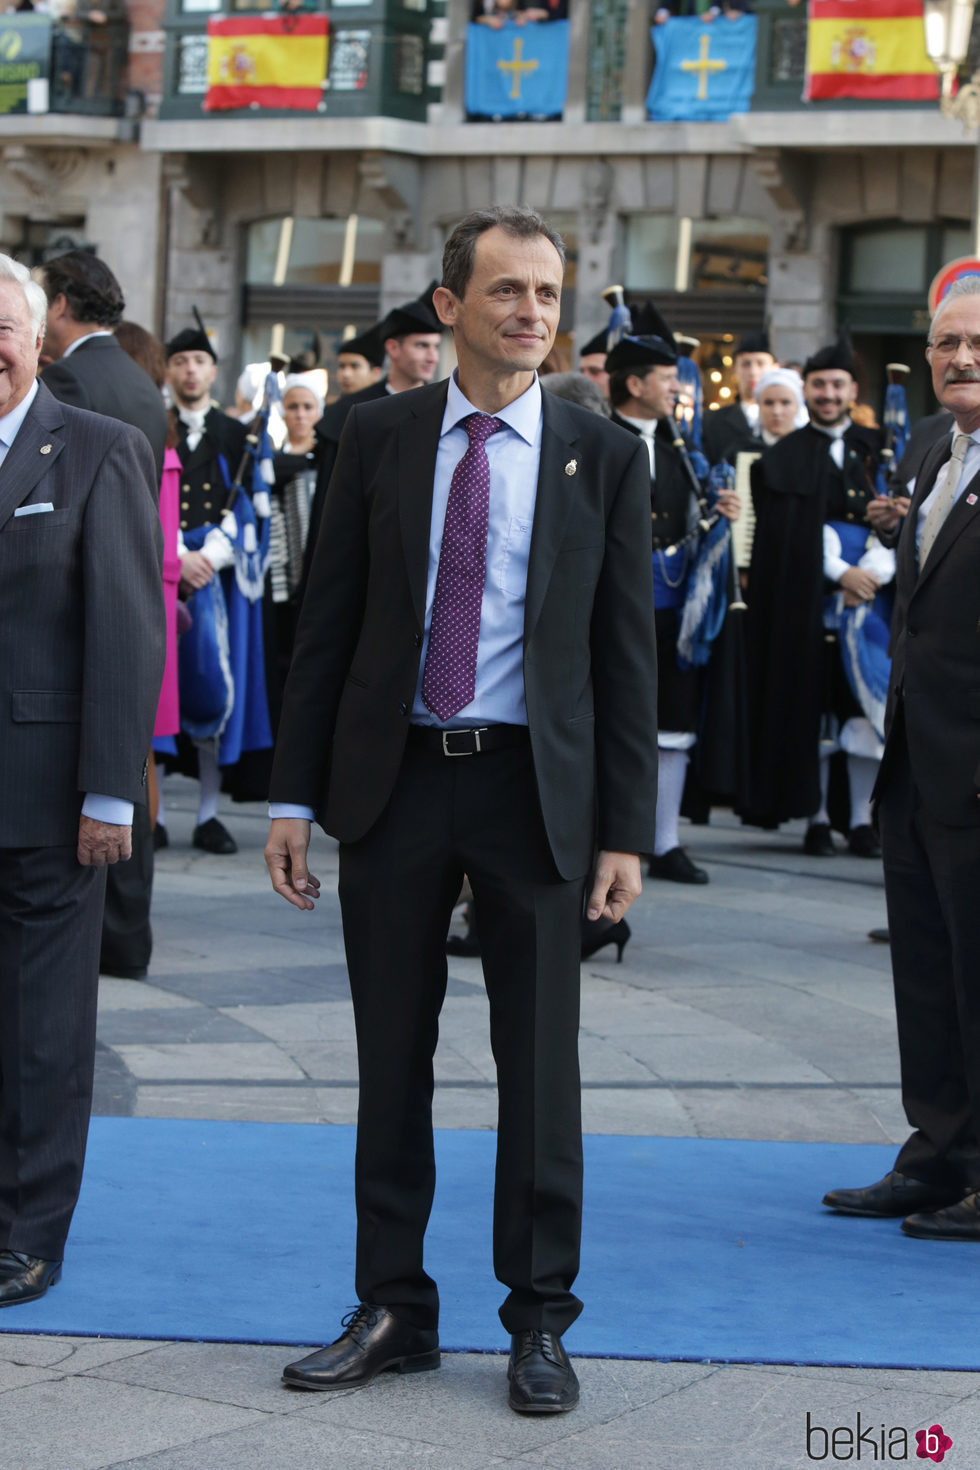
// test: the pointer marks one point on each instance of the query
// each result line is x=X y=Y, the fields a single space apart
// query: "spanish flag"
x=266 y=61
x=868 y=48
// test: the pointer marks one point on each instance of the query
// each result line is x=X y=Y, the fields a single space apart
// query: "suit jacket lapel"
x=960 y=515
x=25 y=464
x=559 y=433
x=418 y=444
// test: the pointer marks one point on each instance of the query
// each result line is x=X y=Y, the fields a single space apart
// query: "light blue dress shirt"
x=101 y=808
x=514 y=453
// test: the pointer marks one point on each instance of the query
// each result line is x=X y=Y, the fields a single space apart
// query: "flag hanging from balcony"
x=704 y=71
x=868 y=48
x=517 y=71
x=266 y=61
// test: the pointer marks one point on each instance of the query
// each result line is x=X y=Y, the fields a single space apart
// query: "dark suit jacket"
x=100 y=376
x=935 y=676
x=725 y=432
x=328 y=432
x=81 y=613
x=589 y=652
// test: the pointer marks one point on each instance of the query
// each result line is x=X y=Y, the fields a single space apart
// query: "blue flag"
x=704 y=71
x=518 y=71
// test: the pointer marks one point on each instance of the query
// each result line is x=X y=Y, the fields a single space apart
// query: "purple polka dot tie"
x=449 y=680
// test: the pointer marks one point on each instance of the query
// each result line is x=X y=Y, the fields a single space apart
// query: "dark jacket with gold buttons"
x=670 y=489
x=203 y=482
x=796 y=489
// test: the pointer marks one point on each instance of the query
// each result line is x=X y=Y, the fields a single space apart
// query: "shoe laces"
x=533 y=1339
x=360 y=1319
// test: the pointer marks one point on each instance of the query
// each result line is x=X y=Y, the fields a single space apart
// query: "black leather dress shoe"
x=676 y=867
x=818 y=841
x=863 y=842
x=160 y=837
x=954 y=1222
x=374 y=1341
x=892 y=1196
x=542 y=1380
x=25 y=1278
x=212 y=836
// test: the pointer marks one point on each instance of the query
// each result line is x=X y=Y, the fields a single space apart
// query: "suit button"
x=403 y=708
x=206 y=485
x=913 y=632
x=186 y=489
x=418 y=640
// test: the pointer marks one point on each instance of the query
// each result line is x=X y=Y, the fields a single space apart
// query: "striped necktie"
x=943 y=503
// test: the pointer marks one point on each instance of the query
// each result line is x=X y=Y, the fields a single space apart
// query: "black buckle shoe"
x=213 y=836
x=863 y=842
x=25 y=1278
x=542 y=1380
x=676 y=867
x=374 y=1341
x=817 y=841
x=893 y=1196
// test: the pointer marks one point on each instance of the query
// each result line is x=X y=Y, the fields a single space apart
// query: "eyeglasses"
x=949 y=346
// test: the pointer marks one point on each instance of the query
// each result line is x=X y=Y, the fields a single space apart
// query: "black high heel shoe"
x=596 y=936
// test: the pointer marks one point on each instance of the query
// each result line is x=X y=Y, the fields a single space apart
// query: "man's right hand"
x=285 y=857
x=885 y=514
x=195 y=570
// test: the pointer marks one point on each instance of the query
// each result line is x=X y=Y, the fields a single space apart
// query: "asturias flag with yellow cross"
x=266 y=61
x=518 y=70
x=868 y=48
x=705 y=70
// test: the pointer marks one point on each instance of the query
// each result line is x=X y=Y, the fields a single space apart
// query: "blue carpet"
x=693 y=1249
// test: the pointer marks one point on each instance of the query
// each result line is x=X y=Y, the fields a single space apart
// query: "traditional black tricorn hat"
x=641 y=353
x=595 y=344
x=753 y=342
x=191 y=339
x=415 y=316
x=369 y=345
x=838 y=355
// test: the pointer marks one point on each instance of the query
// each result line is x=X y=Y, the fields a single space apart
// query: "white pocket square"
x=34 y=510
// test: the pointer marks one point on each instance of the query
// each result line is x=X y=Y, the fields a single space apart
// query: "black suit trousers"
x=931 y=872
x=479 y=815
x=50 y=925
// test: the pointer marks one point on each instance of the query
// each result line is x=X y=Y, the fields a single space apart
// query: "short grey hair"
x=577 y=388
x=964 y=286
x=37 y=302
x=516 y=220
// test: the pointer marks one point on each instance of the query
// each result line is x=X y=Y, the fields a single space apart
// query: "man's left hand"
x=617 y=883
x=100 y=843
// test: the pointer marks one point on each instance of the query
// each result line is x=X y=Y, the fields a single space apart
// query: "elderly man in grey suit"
x=82 y=637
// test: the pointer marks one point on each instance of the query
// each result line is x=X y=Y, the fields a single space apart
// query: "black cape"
x=790 y=487
x=328 y=431
x=725 y=432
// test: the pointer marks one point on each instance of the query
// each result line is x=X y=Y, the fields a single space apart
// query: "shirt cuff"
x=834 y=567
x=110 y=809
x=290 y=809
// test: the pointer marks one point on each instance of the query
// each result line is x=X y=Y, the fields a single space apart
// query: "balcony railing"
x=67 y=66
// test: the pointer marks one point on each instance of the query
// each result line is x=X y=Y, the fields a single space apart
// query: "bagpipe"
x=221 y=666
x=895 y=422
x=712 y=588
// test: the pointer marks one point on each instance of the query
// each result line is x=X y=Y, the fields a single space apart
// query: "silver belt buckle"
x=476 y=735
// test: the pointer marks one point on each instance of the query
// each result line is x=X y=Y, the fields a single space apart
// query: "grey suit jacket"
x=590 y=668
x=935 y=673
x=100 y=376
x=82 y=631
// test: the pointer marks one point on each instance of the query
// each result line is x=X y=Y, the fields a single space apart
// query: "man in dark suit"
x=473 y=690
x=88 y=368
x=928 y=795
x=91 y=370
x=81 y=608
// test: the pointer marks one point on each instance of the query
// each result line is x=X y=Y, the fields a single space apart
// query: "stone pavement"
x=752 y=1008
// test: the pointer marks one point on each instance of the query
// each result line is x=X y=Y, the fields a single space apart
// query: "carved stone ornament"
x=43 y=171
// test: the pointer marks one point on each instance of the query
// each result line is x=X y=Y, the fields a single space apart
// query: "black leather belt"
x=467 y=742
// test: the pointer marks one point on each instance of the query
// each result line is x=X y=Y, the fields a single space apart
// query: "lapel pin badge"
x=45 y=448
x=971 y=499
x=571 y=467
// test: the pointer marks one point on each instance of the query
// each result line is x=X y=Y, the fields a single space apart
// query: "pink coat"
x=168 y=710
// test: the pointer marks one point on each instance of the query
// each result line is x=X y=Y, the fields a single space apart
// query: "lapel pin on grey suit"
x=45 y=448
x=571 y=467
